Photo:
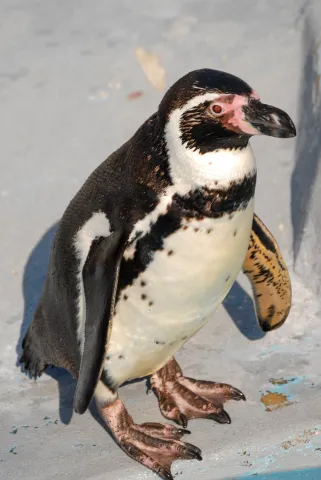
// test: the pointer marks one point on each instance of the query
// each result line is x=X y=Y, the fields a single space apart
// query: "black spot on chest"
x=147 y=245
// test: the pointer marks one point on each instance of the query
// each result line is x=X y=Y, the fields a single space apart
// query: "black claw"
x=198 y=456
x=165 y=474
x=195 y=454
x=190 y=445
x=222 y=417
x=182 y=420
x=238 y=394
x=182 y=431
x=193 y=451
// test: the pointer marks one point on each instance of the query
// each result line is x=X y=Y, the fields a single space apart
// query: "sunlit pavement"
x=73 y=87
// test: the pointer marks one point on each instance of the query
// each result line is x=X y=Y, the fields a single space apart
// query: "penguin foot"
x=181 y=398
x=154 y=445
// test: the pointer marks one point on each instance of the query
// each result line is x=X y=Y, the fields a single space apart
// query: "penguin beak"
x=268 y=120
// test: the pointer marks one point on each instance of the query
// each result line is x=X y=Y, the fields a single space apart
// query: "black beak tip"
x=293 y=133
x=269 y=120
x=291 y=130
x=285 y=127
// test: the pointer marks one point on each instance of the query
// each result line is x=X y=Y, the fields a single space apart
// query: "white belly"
x=182 y=286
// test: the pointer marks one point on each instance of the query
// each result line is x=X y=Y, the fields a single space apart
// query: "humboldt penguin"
x=148 y=249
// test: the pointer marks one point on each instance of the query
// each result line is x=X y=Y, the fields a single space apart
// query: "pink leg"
x=154 y=445
x=182 y=398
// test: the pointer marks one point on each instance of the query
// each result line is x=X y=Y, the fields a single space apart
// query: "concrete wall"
x=306 y=176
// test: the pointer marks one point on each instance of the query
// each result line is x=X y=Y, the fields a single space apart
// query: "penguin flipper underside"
x=269 y=277
x=100 y=278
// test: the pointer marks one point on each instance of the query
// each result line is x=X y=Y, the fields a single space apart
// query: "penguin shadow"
x=33 y=279
x=308 y=145
x=238 y=305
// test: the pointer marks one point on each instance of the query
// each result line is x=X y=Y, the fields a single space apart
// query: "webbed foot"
x=182 y=398
x=154 y=445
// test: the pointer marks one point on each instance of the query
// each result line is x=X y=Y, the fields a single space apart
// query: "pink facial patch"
x=233 y=116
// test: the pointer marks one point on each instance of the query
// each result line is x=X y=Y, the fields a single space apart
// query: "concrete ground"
x=75 y=83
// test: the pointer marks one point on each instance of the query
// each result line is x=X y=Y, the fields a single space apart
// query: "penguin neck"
x=185 y=169
x=191 y=170
x=157 y=157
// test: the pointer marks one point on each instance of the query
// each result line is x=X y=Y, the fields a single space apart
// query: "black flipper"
x=100 y=278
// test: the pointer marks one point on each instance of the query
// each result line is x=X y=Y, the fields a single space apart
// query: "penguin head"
x=211 y=110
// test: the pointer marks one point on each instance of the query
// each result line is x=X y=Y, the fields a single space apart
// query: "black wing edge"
x=100 y=278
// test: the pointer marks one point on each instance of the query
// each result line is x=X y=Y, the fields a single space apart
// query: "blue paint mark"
x=290 y=381
x=269 y=350
x=310 y=445
x=306 y=474
x=301 y=445
x=262 y=463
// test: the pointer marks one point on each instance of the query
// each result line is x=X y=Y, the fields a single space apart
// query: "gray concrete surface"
x=306 y=175
x=66 y=71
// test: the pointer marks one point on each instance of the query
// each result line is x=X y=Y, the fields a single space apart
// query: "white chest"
x=177 y=293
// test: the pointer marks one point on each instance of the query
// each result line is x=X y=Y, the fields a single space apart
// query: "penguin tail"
x=32 y=355
x=31 y=360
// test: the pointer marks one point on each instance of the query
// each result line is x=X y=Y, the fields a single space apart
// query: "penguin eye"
x=217 y=109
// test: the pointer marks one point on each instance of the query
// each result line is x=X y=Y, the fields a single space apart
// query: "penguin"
x=148 y=249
